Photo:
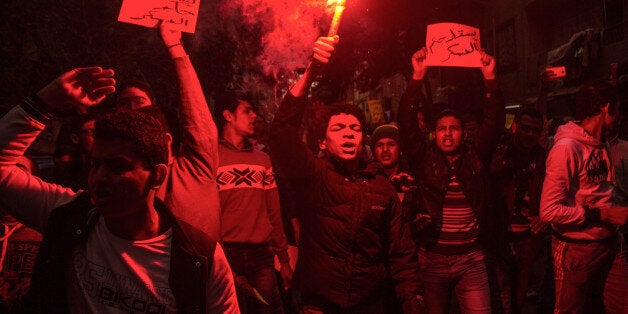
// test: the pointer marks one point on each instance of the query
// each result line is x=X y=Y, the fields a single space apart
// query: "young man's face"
x=387 y=152
x=85 y=137
x=448 y=135
x=243 y=119
x=133 y=98
x=613 y=117
x=527 y=131
x=471 y=130
x=118 y=181
x=343 y=137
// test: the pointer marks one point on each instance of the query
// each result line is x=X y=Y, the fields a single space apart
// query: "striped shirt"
x=459 y=225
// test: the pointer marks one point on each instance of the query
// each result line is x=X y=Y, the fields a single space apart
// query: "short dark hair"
x=141 y=85
x=158 y=113
x=593 y=96
x=449 y=113
x=320 y=129
x=145 y=132
x=530 y=112
x=228 y=100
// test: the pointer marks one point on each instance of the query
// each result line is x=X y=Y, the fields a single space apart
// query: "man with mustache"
x=352 y=235
x=449 y=208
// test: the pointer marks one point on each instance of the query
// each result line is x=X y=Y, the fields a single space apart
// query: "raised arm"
x=193 y=170
x=413 y=140
x=494 y=111
x=199 y=133
x=287 y=149
x=26 y=197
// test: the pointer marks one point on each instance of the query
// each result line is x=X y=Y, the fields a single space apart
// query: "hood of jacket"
x=576 y=132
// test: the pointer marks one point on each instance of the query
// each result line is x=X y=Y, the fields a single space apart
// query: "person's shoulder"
x=195 y=239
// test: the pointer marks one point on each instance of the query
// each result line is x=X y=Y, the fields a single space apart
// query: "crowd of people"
x=432 y=218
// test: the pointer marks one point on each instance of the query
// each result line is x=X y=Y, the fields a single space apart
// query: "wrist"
x=489 y=76
x=417 y=76
x=176 y=51
x=173 y=45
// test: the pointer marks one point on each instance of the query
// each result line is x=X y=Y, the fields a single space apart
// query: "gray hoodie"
x=578 y=175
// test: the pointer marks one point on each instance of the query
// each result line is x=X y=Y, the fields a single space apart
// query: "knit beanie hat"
x=385 y=131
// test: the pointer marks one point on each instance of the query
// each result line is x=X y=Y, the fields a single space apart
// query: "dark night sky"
x=42 y=39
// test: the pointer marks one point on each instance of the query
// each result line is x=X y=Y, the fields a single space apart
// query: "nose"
x=97 y=174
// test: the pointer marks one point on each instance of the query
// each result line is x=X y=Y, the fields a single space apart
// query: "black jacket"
x=70 y=225
x=352 y=233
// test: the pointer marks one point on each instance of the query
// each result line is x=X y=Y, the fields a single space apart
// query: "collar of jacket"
x=246 y=145
x=367 y=169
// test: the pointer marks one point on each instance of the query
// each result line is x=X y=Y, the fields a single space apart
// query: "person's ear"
x=322 y=144
x=158 y=176
x=170 y=148
x=74 y=138
x=228 y=115
x=606 y=108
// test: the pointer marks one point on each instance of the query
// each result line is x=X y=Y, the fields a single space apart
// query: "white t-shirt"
x=109 y=274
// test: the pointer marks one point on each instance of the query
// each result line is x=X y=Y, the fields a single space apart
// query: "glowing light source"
x=335 y=22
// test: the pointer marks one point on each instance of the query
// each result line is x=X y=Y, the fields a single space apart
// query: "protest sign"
x=376 y=111
x=182 y=13
x=451 y=44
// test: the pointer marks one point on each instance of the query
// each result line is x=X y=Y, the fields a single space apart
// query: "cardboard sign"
x=451 y=44
x=182 y=13
x=376 y=111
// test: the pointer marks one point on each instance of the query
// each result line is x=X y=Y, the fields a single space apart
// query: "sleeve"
x=279 y=242
x=287 y=149
x=403 y=260
x=413 y=140
x=26 y=197
x=493 y=122
x=199 y=134
x=557 y=206
x=194 y=169
x=221 y=293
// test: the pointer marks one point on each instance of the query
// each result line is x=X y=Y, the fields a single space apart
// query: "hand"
x=170 y=35
x=488 y=65
x=418 y=64
x=498 y=162
x=404 y=180
x=296 y=227
x=536 y=225
x=243 y=285
x=286 y=275
x=616 y=214
x=324 y=48
x=82 y=87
